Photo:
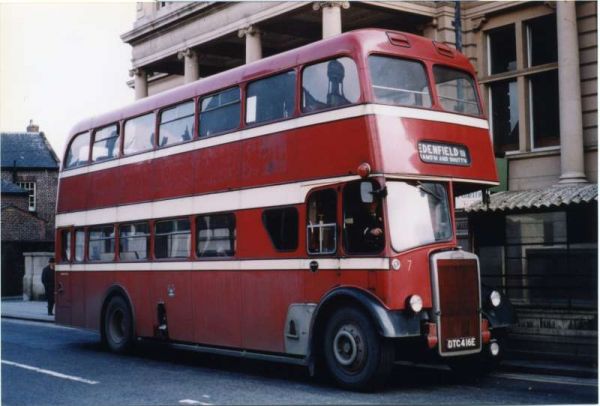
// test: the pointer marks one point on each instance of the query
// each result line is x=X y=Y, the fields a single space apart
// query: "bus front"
x=432 y=143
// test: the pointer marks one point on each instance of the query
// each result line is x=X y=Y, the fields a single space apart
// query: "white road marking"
x=193 y=402
x=51 y=373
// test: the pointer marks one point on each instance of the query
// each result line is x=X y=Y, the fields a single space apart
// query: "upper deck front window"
x=418 y=214
x=456 y=90
x=78 y=151
x=399 y=81
x=329 y=84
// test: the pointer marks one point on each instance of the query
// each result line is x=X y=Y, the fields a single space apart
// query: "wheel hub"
x=348 y=347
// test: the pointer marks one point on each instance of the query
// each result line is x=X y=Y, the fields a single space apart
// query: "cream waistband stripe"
x=319 y=118
x=230 y=265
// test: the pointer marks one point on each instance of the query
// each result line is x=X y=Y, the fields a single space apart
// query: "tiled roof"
x=554 y=196
x=27 y=150
x=10 y=188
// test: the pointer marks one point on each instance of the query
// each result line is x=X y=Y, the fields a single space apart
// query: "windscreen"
x=400 y=82
x=418 y=213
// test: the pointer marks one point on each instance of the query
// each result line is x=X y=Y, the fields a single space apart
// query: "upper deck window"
x=78 y=151
x=456 y=90
x=271 y=99
x=106 y=143
x=176 y=124
x=330 y=84
x=399 y=81
x=220 y=112
x=139 y=134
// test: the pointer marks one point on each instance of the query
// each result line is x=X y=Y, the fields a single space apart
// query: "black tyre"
x=355 y=355
x=117 y=326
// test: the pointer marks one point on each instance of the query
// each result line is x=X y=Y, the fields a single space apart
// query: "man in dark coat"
x=48 y=281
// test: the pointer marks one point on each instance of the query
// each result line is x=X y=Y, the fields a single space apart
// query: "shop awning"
x=552 y=197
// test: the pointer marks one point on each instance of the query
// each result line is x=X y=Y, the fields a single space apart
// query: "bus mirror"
x=366 y=192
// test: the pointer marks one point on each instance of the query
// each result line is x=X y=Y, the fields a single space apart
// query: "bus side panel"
x=170 y=168
x=413 y=277
x=73 y=193
x=96 y=285
x=266 y=298
x=63 y=298
x=173 y=289
x=79 y=297
x=217 y=307
x=137 y=182
x=224 y=160
x=316 y=284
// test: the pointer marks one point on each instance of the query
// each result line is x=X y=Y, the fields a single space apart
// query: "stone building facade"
x=537 y=66
x=29 y=176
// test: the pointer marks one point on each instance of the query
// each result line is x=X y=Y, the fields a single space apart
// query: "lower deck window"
x=216 y=235
x=172 y=239
x=101 y=246
x=65 y=246
x=134 y=241
x=321 y=227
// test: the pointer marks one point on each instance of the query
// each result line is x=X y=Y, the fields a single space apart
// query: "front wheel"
x=117 y=326
x=356 y=356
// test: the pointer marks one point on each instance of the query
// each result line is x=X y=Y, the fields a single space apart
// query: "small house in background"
x=29 y=175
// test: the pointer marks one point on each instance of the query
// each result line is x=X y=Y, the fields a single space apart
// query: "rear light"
x=416 y=303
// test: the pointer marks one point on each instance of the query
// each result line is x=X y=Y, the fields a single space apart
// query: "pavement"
x=16 y=308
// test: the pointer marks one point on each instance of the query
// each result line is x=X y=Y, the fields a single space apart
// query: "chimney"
x=33 y=128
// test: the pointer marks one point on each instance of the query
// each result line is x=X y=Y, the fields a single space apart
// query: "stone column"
x=190 y=64
x=331 y=16
x=140 y=82
x=253 y=44
x=569 y=91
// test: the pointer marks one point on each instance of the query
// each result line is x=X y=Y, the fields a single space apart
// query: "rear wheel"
x=356 y=356
x=118 y=325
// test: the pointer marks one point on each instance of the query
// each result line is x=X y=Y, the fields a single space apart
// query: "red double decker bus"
x=297 y=209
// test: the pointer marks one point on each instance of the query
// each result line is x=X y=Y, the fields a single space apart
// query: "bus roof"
x=359 y=42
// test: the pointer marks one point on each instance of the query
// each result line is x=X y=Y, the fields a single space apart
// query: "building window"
x=282 y=227
x=139 y=134
x=176 y=124
x=101 y=244
x=533 y=75
x=220 y=112
x=271 y=99
x=172 y=239
x=106 y=143
x=216 y=235
x=134 y=241
x=330 y=84
x=502 y=49
x=32 y=198
x=504 y=105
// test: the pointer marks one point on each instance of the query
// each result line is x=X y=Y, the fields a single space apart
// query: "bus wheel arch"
x=117 y=320
x=349 y=317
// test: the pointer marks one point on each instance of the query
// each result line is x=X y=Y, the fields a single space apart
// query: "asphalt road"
x=43 y=364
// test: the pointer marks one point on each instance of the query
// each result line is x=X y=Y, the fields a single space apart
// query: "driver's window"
x=363 y=218
x=321 y=227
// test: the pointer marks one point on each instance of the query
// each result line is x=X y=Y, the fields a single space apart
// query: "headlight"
x=416 y=303
x=495 y=298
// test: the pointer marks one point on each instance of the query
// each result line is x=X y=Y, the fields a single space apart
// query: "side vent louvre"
x=397 y=39
x=443 y=49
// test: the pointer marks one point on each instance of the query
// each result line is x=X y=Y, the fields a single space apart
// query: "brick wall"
x=18 y=225
x=46 y=186
x=20 y=201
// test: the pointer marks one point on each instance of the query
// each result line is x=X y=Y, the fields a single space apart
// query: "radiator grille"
x=458 y=301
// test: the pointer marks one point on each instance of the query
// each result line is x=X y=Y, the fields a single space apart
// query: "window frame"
x=475 y=89
x=69 y=149
x=240 y=118
x=93 y=142
x=124 y=133
x=158 y=123
x=295 y=112
x=88 y=240
x=300 y=81
x=369 y=84
x=298 y=228
x=233 y=237
x=154 y=234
